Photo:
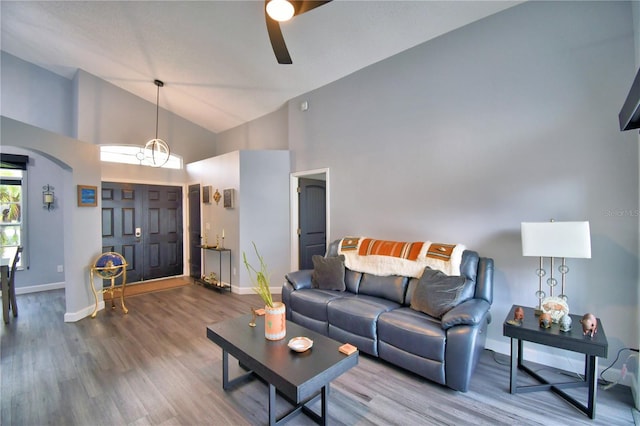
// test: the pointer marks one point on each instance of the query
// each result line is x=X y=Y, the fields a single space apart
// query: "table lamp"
x=555 y=240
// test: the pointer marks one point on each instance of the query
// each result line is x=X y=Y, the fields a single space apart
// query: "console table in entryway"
x=219 y=284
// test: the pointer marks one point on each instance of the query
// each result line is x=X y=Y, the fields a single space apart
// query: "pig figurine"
x=545 y=320
x=589 y=324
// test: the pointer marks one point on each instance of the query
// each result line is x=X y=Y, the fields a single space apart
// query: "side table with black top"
x=573 y=340
x=220 y=285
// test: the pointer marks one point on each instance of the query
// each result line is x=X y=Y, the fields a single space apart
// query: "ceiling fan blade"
x=277 y=41
x=302 y=6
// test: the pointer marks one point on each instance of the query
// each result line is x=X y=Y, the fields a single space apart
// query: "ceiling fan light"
x=280 y=10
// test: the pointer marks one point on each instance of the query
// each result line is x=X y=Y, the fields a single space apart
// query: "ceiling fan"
x=290 y=9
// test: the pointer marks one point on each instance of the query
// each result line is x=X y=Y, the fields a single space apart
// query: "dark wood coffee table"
x=299 y=377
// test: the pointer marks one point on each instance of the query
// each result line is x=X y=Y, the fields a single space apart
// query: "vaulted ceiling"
x=215 y=57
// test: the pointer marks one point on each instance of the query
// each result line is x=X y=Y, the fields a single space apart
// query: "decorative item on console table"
x=275 y=313
x=211 y=278
x=589 y=324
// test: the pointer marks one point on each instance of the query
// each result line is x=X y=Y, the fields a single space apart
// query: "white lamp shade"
x=556 y=239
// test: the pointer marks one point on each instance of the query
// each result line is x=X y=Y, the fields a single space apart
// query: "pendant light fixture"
x=156 y=151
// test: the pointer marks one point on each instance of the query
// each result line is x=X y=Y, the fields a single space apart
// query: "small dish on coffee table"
x=300 y=344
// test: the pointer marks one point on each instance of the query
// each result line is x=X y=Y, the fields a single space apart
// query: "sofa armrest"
x=300 y=279
x=470 y=312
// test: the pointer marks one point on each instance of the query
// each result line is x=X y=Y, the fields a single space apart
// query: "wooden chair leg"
x=12 y=301
x=5 y=294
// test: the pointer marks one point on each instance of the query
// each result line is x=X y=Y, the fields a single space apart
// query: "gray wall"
x=264 y=212
x=45 y=237
x=36 y=96
x=510 y=119
x=267 y=132
x=636 y=33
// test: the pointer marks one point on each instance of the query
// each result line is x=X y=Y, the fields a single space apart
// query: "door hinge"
x=299 y=190
x=299 y=231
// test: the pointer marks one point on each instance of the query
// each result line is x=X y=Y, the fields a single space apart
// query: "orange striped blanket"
x=383 y=258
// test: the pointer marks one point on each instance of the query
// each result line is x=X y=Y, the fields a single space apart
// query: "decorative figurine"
x=545 y=320
x=253 y=319
x=565 y=323
x=589 y=324
x=518 y=314
x=556 y=307
x=211 y=278
x=518 y=317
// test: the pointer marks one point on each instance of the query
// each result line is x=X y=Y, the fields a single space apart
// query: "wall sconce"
x=48 y=197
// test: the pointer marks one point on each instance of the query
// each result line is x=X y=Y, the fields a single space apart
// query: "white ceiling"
x=214 y=56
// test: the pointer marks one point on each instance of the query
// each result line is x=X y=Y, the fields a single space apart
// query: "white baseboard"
x=249 y=290
x=82 y=313
x=39 y=288
x=68 y=316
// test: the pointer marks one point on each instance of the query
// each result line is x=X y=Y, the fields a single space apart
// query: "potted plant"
x=275 y=318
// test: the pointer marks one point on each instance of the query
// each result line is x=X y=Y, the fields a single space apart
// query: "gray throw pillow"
x=437 y=293
x=328 y=272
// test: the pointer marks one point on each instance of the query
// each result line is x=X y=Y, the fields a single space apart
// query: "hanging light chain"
x=158 y=146
x=159 y=84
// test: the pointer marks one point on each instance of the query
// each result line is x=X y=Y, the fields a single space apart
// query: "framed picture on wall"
x=228 y=198
x=87 y=196
x=206 y=194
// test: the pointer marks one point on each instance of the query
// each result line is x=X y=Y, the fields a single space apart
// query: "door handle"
x=138 y=232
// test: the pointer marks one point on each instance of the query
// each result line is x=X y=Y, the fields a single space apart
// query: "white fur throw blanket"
x=384 y=258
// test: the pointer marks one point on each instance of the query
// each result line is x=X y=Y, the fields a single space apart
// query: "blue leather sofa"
x=374 y=314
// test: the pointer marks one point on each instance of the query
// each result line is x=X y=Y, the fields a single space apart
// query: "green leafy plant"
x=259 y=278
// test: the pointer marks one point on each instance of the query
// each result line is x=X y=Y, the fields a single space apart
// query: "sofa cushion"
x=390 y=287
x=358 y=314
x=328 y=272
x=352 y=280
x=437 y=293
x=413 y=332
x=313 y=302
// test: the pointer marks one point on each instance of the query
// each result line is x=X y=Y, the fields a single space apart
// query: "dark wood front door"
x=312 y=220
x=144 y=224
x=195 y=253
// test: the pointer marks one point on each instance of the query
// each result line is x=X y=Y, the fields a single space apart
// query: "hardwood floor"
x=155 y=366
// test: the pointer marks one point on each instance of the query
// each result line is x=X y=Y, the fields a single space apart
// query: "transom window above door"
x=134 y=154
